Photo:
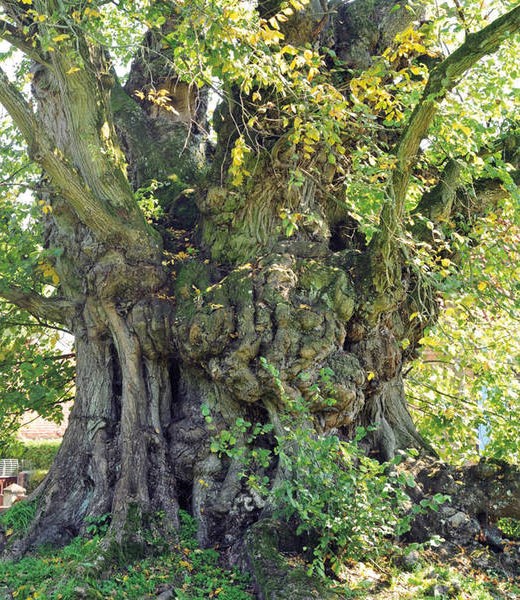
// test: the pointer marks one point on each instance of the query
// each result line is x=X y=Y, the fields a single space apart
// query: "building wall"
x=37 y=428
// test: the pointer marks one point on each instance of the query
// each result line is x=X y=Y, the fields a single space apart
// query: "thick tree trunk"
x=157 y=345
x=138 y=444
x=172 y=343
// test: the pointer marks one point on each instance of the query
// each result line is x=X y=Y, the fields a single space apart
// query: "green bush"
x=352 y=505
x=37 y=454
x=35 y=478
x=348 y=504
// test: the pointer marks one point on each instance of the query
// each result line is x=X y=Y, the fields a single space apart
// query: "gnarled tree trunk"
x=166 y=335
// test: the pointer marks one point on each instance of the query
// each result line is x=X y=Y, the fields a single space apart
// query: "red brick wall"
x=36 y=428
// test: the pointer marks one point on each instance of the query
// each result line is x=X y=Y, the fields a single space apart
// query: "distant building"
x=38 y=428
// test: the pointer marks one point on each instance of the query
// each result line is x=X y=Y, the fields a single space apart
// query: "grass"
x=17 y=519
x=67 y=574
x=196 y=574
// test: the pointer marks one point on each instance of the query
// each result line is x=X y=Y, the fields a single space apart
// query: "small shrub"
x=350 y=505
x=510 y=527
x=98 y=526
x=353 y=505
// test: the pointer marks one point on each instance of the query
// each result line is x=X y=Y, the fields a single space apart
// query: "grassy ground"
x=195 y=574
x=430 y=576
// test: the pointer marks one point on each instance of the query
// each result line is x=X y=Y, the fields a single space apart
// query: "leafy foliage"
x=355 y=505
x=36 y=372
x=465 y=387
x=37 y=376
x=350 y=505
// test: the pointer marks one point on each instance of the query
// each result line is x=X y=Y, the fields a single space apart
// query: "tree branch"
x=58 y=310
x=66 y=179
x=443 y=78
x=450 y=197
x=13 y=36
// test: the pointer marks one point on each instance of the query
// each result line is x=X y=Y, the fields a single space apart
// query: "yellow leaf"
x=429 y=340
x=274 y=23
x=89 y=12
x=73 y=70
x=61 y=38
x=312 y=72
x=288 y=49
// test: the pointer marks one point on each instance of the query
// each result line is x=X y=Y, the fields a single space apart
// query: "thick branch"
x=11 y=34
x=442 y=79
x=449 y=198
x=436 y=205
x=386 y=266
x=66 y=179
x=57 y=310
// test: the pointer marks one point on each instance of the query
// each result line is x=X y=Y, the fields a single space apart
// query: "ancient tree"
x=257 y=261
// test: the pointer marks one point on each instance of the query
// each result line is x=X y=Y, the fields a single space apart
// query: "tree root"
x=275 y=578
x=480 y=494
